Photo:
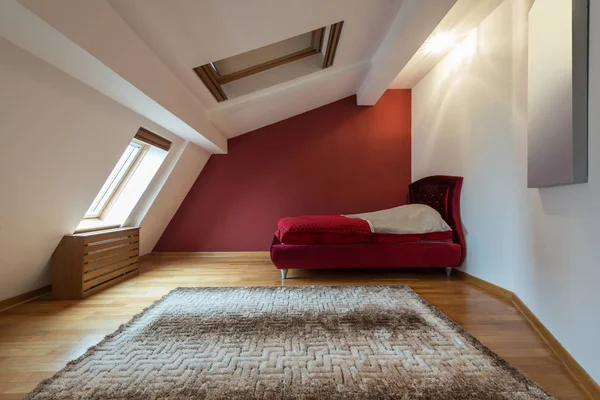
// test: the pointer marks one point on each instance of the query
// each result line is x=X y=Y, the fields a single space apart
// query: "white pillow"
x=408 y=219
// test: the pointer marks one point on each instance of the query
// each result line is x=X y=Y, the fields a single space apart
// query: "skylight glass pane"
x=114 y=179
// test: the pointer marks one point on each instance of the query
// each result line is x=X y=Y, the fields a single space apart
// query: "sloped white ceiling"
x=153 y=42
x=186 y=34
x=90 y=42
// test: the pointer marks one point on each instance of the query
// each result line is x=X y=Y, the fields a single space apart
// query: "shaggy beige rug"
x=369 y=342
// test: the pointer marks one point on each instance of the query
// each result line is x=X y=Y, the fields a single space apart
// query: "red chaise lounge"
x=439 y=192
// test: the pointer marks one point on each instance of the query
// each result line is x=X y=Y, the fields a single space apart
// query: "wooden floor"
x=40 y=337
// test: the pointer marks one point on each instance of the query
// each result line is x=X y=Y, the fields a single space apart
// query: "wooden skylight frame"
x=213 y=80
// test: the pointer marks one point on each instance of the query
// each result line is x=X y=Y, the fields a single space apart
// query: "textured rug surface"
x=368 y=342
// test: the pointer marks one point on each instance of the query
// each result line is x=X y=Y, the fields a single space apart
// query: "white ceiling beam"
x=91 y=42
x=413 y=24
x=465 y=16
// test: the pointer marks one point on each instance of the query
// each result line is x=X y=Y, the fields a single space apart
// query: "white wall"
x=59 y=140
x=470 y=119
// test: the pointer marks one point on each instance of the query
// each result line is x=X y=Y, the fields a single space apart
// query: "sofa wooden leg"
x=448 y=271
x=283 y=273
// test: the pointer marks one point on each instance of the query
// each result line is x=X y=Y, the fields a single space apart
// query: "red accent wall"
x=339 y=158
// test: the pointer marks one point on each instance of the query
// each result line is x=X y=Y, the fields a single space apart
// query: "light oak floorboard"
x=38 y=338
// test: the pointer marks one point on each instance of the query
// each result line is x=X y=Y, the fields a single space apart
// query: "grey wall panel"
x=581 y=17
x=557 y=93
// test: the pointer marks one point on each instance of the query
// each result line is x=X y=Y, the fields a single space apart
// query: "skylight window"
x=293 y=57
x=117 y=178
x=127 y=182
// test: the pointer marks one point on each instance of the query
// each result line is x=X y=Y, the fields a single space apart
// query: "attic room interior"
x=266 y=199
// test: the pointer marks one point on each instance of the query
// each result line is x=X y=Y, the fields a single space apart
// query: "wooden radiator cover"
x=86 y=263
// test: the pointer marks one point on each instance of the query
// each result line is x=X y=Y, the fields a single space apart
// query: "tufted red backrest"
x=442 y=193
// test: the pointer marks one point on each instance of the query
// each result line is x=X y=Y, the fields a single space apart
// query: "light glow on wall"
x=464 y=50
x=439 y=42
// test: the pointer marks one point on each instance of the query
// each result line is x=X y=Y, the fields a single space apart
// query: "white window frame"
x=113 y=189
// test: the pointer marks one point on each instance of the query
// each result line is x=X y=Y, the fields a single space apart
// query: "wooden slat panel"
x=109 y=268
x=93 y=237
x=94 y=247
x=116 y=235
x=109 y=260
x=110 y=283
x=108 y=252
x=107 y=277
x=93 y=257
